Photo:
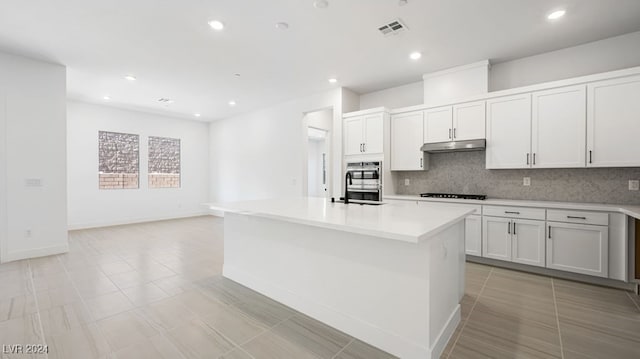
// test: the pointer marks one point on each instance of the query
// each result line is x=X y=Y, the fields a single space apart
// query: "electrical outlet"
x=27 y=233
x=294 y=181
x=634 y=185
x=526 y=181
x=407 y=182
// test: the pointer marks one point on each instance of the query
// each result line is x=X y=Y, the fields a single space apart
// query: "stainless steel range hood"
x=454 y=146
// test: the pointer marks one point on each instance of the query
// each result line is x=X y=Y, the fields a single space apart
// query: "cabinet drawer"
x=568 y=216
x=477 y=209
x=515 y=212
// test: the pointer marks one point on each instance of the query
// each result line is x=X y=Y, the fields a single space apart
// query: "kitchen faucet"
x=347 y=181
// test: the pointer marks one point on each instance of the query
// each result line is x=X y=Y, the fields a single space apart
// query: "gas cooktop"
x=454 y=195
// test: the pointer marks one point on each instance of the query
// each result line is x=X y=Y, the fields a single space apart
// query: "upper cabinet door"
x=509 y=132
x=353 y=135
x=373 y=133
x=438 y=124
x=613 y=123
x=469 y=121
x=406 y=140
x=559 y=127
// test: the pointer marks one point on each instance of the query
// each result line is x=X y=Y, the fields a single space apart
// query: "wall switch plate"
x=407 y=182
x=634 y=185
x=526 y=181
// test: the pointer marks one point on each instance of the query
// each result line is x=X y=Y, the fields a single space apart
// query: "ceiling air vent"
x=392 y=28
x=165 y=100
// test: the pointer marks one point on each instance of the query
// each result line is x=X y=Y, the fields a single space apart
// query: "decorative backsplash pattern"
x=465 y=172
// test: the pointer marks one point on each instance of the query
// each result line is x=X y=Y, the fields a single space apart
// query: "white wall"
x=394 y=97
x=600 y=56
x=33 y=145
x=91 y=207
x=263 y=154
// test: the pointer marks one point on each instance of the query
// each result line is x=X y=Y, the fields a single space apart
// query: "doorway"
x=318 y=126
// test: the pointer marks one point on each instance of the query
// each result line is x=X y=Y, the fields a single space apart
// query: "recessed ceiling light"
x=130 y=78
x=216 y=25
x=403 y=2
x=320 y=4
x=282 y=26
x=236 y=75
x=196 y=114
x=106 y=98
x=232 y=103
x=556 y=14
x=415 y=55
x=333 y=80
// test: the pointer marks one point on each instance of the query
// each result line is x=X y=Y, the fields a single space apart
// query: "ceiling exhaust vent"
x=392 y=28
x=165 y=100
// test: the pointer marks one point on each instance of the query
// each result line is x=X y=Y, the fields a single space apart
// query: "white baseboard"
x=119 y=222
x=34 y=253
x=355 y=327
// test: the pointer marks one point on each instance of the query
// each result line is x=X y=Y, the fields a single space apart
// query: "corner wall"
x=33 y=214
x=92 y=207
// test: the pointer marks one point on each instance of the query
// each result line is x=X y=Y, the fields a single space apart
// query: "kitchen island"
x=389 y=275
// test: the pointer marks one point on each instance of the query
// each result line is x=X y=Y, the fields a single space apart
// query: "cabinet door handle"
x=361 y=147
x=511 y=212
x=454 y=133
x=527 y=159
x=575 y=217
x=514 y=228
x=449 y=133
x=509 y=227
x=421 y=163
x=534 y=158
x=590 y=156
x=549 y=232
x=364 y=147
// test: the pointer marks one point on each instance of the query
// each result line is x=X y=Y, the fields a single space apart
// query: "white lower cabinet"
x=578 y=248
x=528 y=242
x=473 y=235
x=514 y=240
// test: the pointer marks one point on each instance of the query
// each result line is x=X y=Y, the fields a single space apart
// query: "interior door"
x=406 y=140
x=559 y=125
x=438 y=124
x=353 y=135
x=509 y=132
x=373 y=133
x=496 y=238
x=469 y=121
x=528 y=242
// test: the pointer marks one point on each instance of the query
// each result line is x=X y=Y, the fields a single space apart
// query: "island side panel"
x=374 y=289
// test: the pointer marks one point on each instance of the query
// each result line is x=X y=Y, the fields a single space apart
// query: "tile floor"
x=154 y=290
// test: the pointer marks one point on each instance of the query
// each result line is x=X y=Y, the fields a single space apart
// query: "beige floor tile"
x=272 y=346
x=63 y=318
x=156 y=347
x=225 y=290
x=166 y=314
x=128 y=279
x=198 y=340
x=233 y=324
x=125 y=329
x=23 y=330
x=17 y=307
x=94 y=287
x=107 y=305
x=360 y=350
x=596 y=342
x=144 y=294
x=318 y=338
x=175 y=284
x=83 y=342
x=115 y=267
x=237 y=354
x=264 y=311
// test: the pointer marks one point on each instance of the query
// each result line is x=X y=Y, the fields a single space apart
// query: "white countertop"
x=629 y=210
x=389 y=220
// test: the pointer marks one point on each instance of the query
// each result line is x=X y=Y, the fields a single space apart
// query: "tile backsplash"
x=465 y=172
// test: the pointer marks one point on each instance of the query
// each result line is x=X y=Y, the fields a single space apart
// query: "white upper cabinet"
x=559 y=128
x=469 y=121
x=353 y=135
x=438 y=124
x=509 y=132
x=406 y=140
x=613 y=123
x=364 y=134
x=373 y=133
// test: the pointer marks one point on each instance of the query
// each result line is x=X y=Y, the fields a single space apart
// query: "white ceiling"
x=170 y=48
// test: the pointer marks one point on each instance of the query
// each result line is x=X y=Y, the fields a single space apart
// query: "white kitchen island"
x=389 y=275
